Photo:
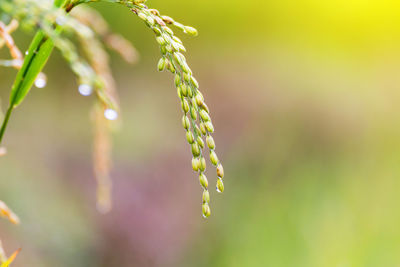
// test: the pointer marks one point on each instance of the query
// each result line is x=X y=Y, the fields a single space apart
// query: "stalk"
x=5 y=122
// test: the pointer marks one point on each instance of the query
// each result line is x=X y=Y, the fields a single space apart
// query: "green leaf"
x=38 y=54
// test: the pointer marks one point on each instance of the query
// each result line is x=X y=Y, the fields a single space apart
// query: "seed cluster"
x=196 y=115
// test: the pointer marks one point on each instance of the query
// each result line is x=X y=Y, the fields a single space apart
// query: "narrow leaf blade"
x=38 y=54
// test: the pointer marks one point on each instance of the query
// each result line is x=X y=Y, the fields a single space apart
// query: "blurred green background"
x=305 y=100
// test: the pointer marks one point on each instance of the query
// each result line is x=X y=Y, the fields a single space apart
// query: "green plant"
x=54 y=23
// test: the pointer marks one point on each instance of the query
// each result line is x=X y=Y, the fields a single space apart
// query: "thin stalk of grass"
x=5 y=122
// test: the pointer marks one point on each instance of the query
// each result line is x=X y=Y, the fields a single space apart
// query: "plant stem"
x=5 y=122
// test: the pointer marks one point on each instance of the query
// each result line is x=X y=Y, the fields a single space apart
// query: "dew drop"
x=41 y=81
x=204 y=216
x=26 y=52
x=110 y=114
x=219 y=191
x=85 y=89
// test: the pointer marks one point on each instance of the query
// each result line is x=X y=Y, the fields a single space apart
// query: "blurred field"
x=305 y=100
